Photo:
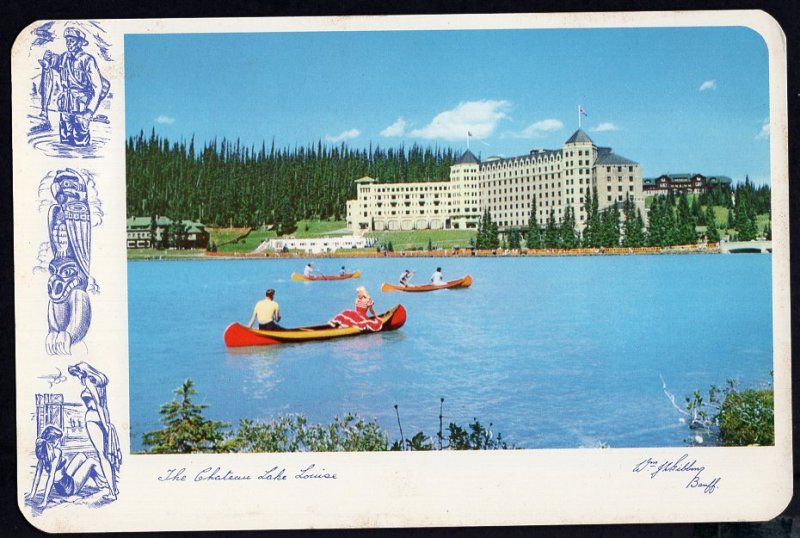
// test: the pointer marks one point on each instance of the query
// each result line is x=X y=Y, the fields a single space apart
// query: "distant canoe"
x=463 y=282
x=237 y=335
x=297 y=276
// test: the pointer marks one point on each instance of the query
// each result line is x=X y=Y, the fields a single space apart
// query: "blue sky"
x=674 y=99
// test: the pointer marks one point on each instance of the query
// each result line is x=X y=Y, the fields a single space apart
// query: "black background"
x=16 y=14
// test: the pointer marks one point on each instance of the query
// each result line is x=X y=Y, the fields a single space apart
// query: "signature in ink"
x=653 y=468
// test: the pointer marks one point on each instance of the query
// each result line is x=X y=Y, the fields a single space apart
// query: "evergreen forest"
x=227 y=184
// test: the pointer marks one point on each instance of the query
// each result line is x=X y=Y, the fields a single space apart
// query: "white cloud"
x=538 y=128
x=708 y=85
x=344 y=135
x=398 y=128
x=169 y=120
x=477 y=117
x=607 y=126
x=764 y=132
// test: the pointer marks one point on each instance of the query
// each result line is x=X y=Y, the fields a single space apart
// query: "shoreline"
x=173 y=255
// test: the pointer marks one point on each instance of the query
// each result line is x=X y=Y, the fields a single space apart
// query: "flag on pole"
x=582 y=111
x=469 y=133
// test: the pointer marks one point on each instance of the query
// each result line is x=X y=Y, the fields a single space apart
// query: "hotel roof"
x=579 y=137
x=606 y=157
x=468 y=158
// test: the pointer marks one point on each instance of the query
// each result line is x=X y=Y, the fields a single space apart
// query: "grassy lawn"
x=248 y=244
x=311 y=228
x=419 y=238
x=172 y=254
x=328 y=228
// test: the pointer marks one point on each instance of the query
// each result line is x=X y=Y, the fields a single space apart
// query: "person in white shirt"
x=436 y=277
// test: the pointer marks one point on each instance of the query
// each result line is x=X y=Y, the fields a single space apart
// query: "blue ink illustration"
x=64 y=476
x=102 y=433
x=54 y=379
x=70 y=220
x=77 y=449
x=71 y=85
x=44 y=34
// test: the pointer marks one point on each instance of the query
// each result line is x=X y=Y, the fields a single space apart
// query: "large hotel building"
x=505 y=186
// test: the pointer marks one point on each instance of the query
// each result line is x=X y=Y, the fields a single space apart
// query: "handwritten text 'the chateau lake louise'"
x=310 y=473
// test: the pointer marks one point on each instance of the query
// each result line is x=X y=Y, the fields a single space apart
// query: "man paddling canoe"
x=267 y=312
x=406 y=277
x=309 y=270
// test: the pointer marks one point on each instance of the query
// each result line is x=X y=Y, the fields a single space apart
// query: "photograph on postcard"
x=573 y=209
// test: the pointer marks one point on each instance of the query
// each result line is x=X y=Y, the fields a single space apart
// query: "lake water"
x=556 y=352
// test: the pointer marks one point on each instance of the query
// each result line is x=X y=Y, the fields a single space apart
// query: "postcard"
x=401 y=271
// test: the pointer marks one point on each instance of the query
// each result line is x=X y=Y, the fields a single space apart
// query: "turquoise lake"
x=555 y=352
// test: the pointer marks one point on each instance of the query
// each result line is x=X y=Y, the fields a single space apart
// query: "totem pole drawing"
x=69 y=311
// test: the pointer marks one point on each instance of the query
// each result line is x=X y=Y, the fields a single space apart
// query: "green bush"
x=747 y=418
x=732 y=417
x=293 y=433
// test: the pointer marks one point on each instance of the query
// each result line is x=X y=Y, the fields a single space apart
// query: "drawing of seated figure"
x=64 y=476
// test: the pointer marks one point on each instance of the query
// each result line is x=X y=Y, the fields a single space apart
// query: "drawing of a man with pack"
x=82 y=89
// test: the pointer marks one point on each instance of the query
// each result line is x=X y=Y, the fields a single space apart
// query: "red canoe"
x=297 y=276
x=463 y=282
x=237 y=335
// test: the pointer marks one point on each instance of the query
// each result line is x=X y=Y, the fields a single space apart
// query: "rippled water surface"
x=554 y=352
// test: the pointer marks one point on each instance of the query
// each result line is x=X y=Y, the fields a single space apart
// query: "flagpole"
x=579 y=116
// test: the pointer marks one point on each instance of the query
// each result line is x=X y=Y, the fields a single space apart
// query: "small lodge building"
x=316 y=245
x=147 y=232
x=679 y=183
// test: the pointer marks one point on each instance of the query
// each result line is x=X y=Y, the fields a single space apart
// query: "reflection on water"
x=555 y=352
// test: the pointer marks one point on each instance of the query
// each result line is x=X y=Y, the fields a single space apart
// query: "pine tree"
x=534 y=239
x=487 y=232
x=685 y=224
x=609 y=226
x=712 y=233
x=551 y=236
x=494 y=234
x=153 y=228
x=185 y=429
x=633 y=233
x=591 y=232
x=568 y=238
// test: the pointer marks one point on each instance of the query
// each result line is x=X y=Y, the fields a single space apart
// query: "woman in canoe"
x=358 y=317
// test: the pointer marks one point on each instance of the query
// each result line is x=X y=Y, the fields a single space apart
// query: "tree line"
x=672 y=220
x=228 y=184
